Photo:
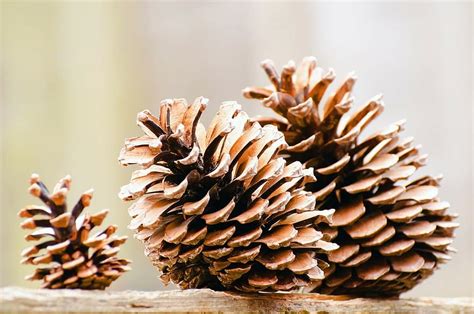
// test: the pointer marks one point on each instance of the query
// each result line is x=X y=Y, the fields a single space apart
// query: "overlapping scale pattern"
x=72 y=256
x=392 y=231
x=216 y=207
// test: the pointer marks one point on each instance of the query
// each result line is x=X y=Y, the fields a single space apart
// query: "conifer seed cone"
x=74 y=257
x=217 y=208
x=393 y=232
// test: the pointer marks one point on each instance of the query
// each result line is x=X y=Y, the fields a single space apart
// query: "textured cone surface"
x=392 y=231
x=216 y=208
x=71 y=256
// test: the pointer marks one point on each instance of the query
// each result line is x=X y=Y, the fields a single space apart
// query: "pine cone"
x=215 y=208
x=392 y=233
x=74 y=258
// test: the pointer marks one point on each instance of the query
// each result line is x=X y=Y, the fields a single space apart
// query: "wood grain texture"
x=21 y=300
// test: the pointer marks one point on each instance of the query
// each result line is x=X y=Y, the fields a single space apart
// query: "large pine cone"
x=392 y=233
x=74 y=257
x=215 y=208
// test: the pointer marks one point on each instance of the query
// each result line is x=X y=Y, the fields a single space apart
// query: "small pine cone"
x=392 y=233
x=74 y=258
x=215 y=208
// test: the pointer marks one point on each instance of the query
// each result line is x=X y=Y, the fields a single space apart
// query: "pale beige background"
x=74 y=75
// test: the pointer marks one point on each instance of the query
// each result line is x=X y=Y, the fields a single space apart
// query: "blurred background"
x=74 y=75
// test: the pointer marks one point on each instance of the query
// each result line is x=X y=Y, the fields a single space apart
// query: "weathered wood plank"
x=21 y=300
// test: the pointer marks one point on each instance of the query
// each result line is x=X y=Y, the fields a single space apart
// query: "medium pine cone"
x=392 y=233
x=215 y=208
x=73 y=257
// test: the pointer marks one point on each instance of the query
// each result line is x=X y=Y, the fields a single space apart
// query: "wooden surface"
x=21 y=300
